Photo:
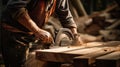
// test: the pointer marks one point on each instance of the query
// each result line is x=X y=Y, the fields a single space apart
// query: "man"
x=22 y=19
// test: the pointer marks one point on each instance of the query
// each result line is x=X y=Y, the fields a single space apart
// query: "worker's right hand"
x=77 y=41
x=43 y=36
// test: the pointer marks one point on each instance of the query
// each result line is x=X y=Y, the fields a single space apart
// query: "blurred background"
x=97 y=20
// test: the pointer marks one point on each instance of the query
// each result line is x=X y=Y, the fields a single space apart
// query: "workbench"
x=94 y=54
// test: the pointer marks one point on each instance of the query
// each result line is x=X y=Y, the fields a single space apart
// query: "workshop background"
x=97 y=21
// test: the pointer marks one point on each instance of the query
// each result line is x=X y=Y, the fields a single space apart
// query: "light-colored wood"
x=89 y=59
x=63 y=54
x=71 y=48
x=84 y=51
x=56 y=54
x=66 y=54
x=111 y=56
x=109 y=60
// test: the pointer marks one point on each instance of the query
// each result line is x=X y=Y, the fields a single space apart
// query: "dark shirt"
x=15 y=8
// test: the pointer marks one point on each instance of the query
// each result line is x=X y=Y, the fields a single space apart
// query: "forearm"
x=74 y=30
x=27 y=22
x=18 y=12
x=40 y=34
x=65 y=16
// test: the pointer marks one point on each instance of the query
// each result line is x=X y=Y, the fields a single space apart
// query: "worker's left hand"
x=43 y=36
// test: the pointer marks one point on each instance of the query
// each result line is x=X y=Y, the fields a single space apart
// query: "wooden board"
x=66 y=56
x=89 y=59
x=109 y=60
x=56 y=54
x=63 y=54
x=82 y=56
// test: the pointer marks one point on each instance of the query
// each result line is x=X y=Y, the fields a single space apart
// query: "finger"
x=50 y=40
x=41 y=38
x=45 y=39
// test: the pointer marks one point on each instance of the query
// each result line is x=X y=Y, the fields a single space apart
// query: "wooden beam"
x=56 y=54
x=66 y=54
x=89 y=59
x=109 y=60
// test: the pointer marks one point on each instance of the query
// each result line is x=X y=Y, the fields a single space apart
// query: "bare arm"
x=66 y=19
x=26 y=21
x=18 y=12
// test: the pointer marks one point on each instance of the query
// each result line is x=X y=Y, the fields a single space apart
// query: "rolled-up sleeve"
x=17 y=7
x=64 y=14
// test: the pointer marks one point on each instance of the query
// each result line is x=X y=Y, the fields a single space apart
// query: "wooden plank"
x=66 y=54
x=89 y=59
x=86 y=45
x=109 y=60
x=85 y=51
x=56 y=54
x=55 y=57
x=60 y=49
x=63 y=54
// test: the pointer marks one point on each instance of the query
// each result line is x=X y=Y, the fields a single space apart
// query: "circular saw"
x=64 y=37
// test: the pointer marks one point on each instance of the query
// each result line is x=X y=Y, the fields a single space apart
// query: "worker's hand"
x=77 y=40
x=43 y=36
